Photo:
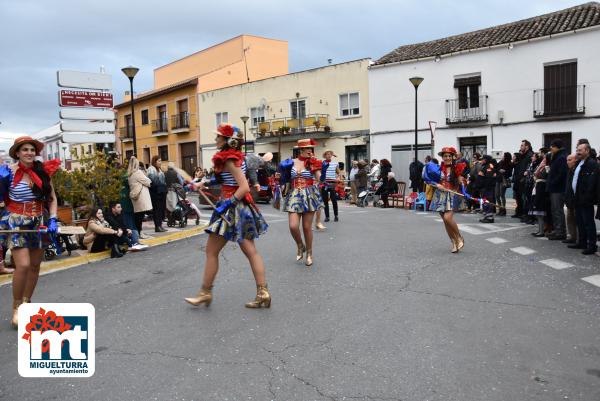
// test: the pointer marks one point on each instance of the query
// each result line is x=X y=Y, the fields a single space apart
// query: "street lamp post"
x=416 y=81
x=130 y=73
x=245 y=119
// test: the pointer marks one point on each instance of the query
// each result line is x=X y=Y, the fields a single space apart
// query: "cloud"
x=40 y=37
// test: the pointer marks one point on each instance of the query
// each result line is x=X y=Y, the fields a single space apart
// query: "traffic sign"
x=67 y=98
x=84 y=80
x=84 y=137
x=87 y=114
x=86 y=126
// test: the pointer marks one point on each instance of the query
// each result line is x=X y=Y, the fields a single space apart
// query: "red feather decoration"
x=221 y=157
x=51 y=166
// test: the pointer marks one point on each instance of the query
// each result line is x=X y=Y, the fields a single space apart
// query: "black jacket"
x=569 y=194
x=521 y=167
x=115 y=222
x=557 y=177
x=586 y=193
x=485 y=181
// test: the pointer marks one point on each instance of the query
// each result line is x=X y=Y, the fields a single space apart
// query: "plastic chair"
x=421 y=200
x=410 y=199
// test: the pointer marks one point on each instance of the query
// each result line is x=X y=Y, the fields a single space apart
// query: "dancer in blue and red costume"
x=236 y=218
x=26 y=189
x=303 y=199
x=447 y=178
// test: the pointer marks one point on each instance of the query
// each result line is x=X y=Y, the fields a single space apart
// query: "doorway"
x=473 y=144
x=564 y=136
x=402 y=156
x=354 y=152
x=189 y=158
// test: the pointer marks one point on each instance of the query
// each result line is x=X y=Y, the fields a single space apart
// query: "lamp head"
x=416 y=81
x=130 y=71
x=244 y=118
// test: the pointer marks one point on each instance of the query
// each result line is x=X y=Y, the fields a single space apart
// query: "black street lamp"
x=416 y=81
x=245 y=119
x=130 y=73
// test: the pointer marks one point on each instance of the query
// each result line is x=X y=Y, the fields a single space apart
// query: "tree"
x=96 y=183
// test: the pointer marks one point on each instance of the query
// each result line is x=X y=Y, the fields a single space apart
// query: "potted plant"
x=327 y=128
x=317 y=123
x=263 y=131
x=286 y=129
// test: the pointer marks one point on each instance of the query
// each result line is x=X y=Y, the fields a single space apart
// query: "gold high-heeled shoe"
x=203 y=297
x=320 y=227
x=309 y=259
x=263 y=298
x=300 y=253
x=26 y=300
x=460 y=242
x=15 y=317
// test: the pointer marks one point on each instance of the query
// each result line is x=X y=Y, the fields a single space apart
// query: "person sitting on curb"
x=114 y=218
x=100 y=236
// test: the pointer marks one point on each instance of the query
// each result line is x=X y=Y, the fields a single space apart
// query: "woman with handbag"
x=139 y=193
x=158 y=193
x=505 y=168
x=235 y=218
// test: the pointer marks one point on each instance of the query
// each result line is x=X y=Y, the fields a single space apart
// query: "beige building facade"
x=329 y=104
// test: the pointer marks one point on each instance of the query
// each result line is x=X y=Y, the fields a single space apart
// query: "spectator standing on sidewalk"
x=361 y=178
x=139 y=193
x=351 y=177
x=585 y=187
x=555 y=186
x=541 y=201
x=570 y=200
x=127 y=208
x=503 y=176
x=519 y=177
x=158 y=193
x=415 y=171
x=374 y=171
x=486 y=184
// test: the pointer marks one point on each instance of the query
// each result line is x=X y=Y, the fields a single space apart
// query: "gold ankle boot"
x=203 y=297
x=454 y=240
x=309 y=259
x=320 y=227
x=15 y=317
x=263 y=298
x=460 y=242
x=301 y=250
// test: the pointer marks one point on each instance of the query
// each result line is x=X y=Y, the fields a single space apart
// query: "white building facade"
x=540 y=85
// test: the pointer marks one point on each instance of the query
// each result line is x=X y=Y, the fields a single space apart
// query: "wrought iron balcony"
x=559 y=101
x=180 y=121
x=466 y=110
x=160 y=126
x=126 y=133
x=293 y=126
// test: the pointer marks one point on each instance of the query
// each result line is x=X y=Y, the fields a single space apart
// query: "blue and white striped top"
x=330 y=174
x=304 y=173
x=227 y=178
x=21 y=193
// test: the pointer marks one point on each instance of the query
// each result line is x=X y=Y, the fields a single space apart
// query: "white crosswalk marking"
x=496 y=240
x=422 y=213
x=440 y=220
x=521 y=250
x=594 y=280
x=557 y=264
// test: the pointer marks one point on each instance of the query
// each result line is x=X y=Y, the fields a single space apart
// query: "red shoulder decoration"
x=51 y=166
x=222 y=156
x=313 y=164
x=459 y=169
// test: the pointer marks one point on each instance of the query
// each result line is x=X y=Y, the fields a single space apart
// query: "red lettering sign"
x=84 y=99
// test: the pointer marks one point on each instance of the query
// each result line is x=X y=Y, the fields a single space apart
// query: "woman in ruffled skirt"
x=302 y=198
x=235 y=218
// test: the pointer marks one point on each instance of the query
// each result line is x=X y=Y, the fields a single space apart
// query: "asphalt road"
x=385 y=313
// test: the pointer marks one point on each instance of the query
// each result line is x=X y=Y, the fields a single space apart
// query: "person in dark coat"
x=555 y=186
x=519 y=177
x=505 y=169
x=386 y=168
x=486 y=184
x=415 y=169
x=570 y=200
x=585 y=187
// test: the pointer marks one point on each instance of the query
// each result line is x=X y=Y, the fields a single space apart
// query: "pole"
x=245 y=143
x=132 y=118
x=416 y=135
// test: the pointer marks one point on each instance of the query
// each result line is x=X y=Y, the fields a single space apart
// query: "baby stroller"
x=182 y=210
x=368 y=195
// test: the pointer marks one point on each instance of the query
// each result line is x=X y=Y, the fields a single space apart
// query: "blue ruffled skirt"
x=443 y=201
x=246 y=223
x=15 y=221
x=303 y=200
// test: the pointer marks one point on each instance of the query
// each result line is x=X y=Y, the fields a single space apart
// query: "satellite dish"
x=263 y=103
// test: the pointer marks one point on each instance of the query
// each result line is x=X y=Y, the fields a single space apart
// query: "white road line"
x=521 y=250
x=594 y=280
x=432 y=216
x=543 y=238
x=557 y=264
x=496 y=240
x=440 y=220
x=422 y=213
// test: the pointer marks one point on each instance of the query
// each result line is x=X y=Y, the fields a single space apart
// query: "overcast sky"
x=38 y=38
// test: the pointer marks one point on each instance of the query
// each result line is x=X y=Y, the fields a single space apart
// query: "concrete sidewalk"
x=81 y=256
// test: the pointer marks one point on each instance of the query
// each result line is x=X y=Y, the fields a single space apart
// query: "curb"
x=58 y=265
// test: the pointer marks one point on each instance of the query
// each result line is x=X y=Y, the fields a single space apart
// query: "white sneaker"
x=138 y=247
x=144 y=236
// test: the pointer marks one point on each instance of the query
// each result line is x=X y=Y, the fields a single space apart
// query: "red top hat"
x=306 y=143
x=448 y=149
x=23 y=140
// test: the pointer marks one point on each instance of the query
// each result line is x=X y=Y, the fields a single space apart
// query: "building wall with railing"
x=153 y=136
x=319 y=88
x=509 y=77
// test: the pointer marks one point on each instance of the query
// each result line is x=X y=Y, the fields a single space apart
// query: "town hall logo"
x=56 y=340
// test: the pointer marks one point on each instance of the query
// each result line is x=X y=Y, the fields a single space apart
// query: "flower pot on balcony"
x=327 y=129
x=65 y=214
x=317 y=124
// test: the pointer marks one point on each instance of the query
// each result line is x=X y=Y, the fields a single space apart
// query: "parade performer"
x=26 y=188
x=235 y=218
x=302 y=200
x=447 y=179
x=330 y=175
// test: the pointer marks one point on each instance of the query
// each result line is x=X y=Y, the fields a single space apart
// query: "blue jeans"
x=135 y=235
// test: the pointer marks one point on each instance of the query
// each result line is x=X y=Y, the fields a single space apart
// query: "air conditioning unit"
x=496 y=154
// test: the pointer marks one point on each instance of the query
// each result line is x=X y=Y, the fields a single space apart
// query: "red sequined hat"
x=306 y=143
x=448 y=149
x=226 y=130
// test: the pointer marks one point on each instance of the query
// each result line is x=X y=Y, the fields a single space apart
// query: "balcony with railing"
x=313 y=123
x=126 y=133
x=160 y=126
x=466 y=110
x=180 y=122
x=553 y=102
